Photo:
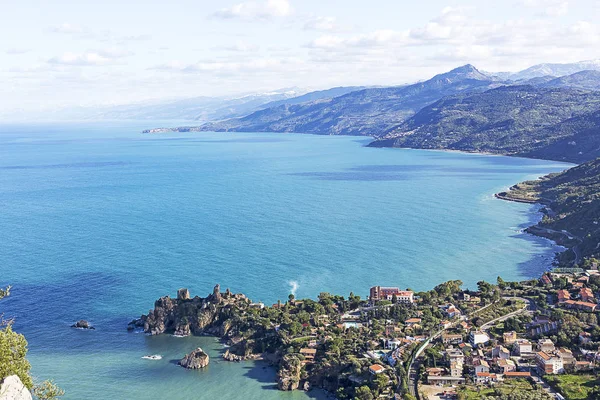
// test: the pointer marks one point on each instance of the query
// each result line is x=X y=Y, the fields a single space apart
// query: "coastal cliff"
x=11 y=388
x=571 y=210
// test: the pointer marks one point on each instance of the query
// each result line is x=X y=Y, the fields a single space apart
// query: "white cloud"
x=16 y=51
x=91 y=58
x=240 y=47
x=552 y=8
x=253 y=10
x=324 y=24
x=67 y=28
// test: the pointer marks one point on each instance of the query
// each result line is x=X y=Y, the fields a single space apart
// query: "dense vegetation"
x=13 y=349
x=573 y=200
x=550 y=123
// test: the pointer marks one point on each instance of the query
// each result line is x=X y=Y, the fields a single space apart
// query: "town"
x=536 y=339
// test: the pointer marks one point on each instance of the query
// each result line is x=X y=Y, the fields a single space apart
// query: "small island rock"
x=82 y=324
x=195 y=360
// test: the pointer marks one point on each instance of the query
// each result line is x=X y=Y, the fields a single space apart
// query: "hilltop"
x=549 y=123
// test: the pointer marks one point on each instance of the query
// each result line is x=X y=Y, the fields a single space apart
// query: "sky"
x=61 y=53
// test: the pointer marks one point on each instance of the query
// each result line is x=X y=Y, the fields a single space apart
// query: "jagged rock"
x=217 y=292
x=197 y=316
x=229 y=356
x=195 y=360
x=183 y=294
x=182 y=330
x=11 y=388
x=134 y=324
x=82 y=324
x=288 y=377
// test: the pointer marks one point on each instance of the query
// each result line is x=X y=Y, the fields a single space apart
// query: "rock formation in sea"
x=197 y=359
x=11 y=388
x=288 y=377
x=82 y=324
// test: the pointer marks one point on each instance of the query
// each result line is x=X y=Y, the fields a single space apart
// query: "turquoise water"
x=99 y=220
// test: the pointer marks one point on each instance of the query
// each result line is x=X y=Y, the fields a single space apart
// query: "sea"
x=98 y=220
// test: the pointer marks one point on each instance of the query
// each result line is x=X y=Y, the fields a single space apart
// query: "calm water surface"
x=99 y=220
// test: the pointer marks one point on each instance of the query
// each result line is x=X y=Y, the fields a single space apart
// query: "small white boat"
x=153 y=357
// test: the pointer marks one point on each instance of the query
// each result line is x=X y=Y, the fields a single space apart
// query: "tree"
x=47 y=390
x=363 y=393
x=13 y=349
x=291 y=297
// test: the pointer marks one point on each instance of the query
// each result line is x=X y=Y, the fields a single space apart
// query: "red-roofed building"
x=586 y=294
x=387 y=293
x=563 y=295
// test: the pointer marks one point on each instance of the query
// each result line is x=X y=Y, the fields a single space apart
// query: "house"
x=450 y=310
x=480 y=365
x=517 y=375
x=509 y=337
x=393 y=344
x=546 y=280
x=376 y=369
x=478 y=338
x=456 y=359
x=464 y=325
x=485 y=377
x=500 y=352
x=583 y=365
x=548 y=363
x=445 y=324
x=309 y=354
x=563 y=295
x=465 y=347
x=392 y=330
x=388 y=293
x=522 y=347
x=585 y=337
x=542 y=326
x=434 y=371
x=448 y=338
x=464 y=296
x=580 y=305
x=567 y=357
x=546 y=345
x=445 y=380
x=587 y=295
x=506 y=365
x=412 y=322
x=583 y=279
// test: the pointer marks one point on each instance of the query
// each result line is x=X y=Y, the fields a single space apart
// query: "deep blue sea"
x=98 y=220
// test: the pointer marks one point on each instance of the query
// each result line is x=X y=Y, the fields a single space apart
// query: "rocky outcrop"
x=288 y=377
x=197 y=359
x=82 y=324
x=192 y=316
x=13 y=389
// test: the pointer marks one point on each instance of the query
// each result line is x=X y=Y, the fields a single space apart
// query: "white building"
x=478 y=337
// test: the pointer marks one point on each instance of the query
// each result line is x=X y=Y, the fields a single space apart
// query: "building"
x=509 y=337
x=506 y=365
x=309 y=355
x=451 y=338
x=445 y=380
x=376 y=369
x=563 y=295
x=387 y=293
x=522 y=347
x=546 y=279
x=500 y=352
x=587 y=295
x=580 y=305
x=567 y=357
x=434 y=371
x=485 y=377
x=456 y=359
x=480 y=365
x=478 y=338
x=546 y=345
x=412 y=321
x=517 y=375
x=549 y=363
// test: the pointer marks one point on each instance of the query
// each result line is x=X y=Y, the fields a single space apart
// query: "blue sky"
x=79 y=52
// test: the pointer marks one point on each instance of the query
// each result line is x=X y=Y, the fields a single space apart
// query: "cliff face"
x=13 y=389
x=184 y=315
x=288 y=377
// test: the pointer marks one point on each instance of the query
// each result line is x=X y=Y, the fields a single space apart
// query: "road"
x=530 y=306
x=413 y=367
